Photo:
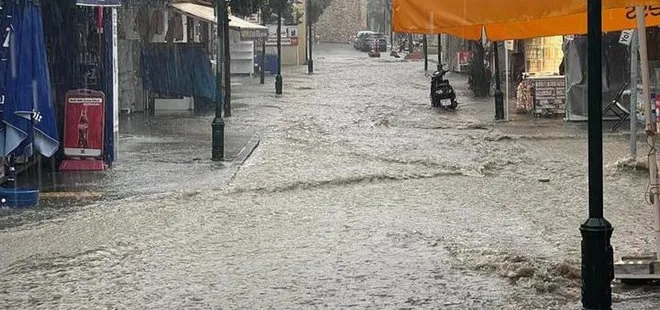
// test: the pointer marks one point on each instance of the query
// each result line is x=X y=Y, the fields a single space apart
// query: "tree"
x=268 y=8
x=316 y=9
x=245 y=7
x=379 y=12
x=480 y=76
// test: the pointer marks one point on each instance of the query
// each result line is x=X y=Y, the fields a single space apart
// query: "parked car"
x=367 y=41
x=358 y=37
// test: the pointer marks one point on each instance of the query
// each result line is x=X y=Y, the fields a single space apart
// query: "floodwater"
x=358 y=196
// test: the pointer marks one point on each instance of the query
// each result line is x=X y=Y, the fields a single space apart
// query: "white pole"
x=650 y=122
x=634 y=76
x=506 y=82
x=115 y=85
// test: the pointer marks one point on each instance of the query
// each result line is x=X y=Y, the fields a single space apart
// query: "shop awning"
x=248 y=30
x=514 y=19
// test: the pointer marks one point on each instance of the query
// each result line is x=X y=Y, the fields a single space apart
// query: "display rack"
x=242 y=57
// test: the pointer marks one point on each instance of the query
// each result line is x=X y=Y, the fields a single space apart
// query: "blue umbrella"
x=28 y=116
x=5 y=30
x=46 y=138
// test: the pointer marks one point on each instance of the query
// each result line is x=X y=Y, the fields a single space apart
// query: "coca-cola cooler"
x=84 y=120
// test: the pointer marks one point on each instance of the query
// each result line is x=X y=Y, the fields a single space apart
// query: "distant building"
x=342 y=19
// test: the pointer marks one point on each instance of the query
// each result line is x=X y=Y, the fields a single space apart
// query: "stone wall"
x=342 y=19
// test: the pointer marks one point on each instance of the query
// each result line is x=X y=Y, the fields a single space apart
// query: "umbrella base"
x=11 y=197
x=82 y=165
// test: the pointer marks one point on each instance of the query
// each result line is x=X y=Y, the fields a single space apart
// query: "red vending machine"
x=84 y=118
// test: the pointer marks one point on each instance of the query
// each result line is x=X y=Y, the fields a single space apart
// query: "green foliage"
x=316 y=9
x=245 y=7
x=380 y=12
x=269 y=9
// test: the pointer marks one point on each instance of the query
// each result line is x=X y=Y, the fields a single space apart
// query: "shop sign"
x=549 y=94
x=626 y=37
x=463 y=59
x=84 y=123
x=289 y=34
x=109 y=3
x=509 y=45
x=286 y=41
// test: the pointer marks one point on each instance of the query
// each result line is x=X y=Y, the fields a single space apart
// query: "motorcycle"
x=375 y=50
x=442 y=93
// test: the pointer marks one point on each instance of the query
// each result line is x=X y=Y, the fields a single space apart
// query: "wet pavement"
x=359 y=195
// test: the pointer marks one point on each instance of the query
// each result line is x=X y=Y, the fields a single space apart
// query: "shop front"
x=48 y=49
x=542 y=91
x=81 y=41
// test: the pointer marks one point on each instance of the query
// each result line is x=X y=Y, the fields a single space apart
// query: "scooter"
x=375 y=50
x=442 y=93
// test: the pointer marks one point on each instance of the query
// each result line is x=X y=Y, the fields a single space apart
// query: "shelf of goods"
x=242 y=57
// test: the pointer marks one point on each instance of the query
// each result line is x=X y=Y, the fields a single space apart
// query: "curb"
x=247 y=151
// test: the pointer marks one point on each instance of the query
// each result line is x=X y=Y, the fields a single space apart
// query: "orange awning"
x=513 y=19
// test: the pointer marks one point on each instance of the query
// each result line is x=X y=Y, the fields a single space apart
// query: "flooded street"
x=359 y=195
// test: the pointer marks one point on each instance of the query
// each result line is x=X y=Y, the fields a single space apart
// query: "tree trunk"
x=479 y=76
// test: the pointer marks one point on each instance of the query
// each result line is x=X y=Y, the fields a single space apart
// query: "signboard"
x=626 y=37
x=549 y=94
x=289 y=35
x=83 y=123
x=290 y=41
x=463 y=59
x=107 y=3
x=509 y=45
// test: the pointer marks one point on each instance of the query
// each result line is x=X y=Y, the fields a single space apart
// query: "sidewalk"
x=162 y=154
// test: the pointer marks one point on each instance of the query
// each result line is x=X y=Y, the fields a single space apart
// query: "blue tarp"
x=178 y=70
x=28 y=116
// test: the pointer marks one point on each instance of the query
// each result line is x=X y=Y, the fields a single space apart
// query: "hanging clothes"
x=174 y=29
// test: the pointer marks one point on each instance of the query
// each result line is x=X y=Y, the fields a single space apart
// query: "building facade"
x=342 y=19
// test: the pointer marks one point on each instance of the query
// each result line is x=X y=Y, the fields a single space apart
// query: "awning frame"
x=247 y=30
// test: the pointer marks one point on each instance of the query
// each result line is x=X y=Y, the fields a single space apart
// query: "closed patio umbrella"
x=28 y=114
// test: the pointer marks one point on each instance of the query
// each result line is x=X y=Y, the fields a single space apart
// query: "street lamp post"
x=310 y=41
x=262 y=61
x=227 y=60
x=597 y=253
x=499 y=96
x=426 y=54
x=218 y=124
x=278 y=77
x=439 y=52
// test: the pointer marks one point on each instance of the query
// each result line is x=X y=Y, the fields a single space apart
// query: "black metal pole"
x=439 y=52
x=426 y=54
x=384 y=18
x=410 y=43
x=218 y=124
x=499 y=96
x=310 y=41
x=227 y=66
x=597 y=253
x=391 y=32
x=278 y=77
x=262 y=61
